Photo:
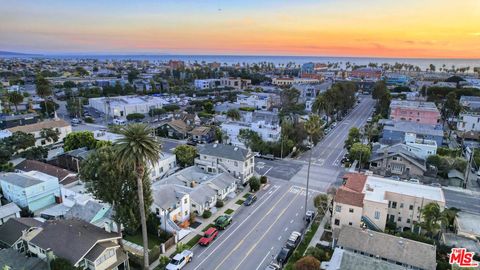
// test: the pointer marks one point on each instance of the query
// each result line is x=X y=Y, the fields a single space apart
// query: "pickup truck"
x=223 y=221
x=208 y=237
x=180 y=260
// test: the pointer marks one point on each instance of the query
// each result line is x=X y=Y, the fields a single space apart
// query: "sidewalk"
x=231 y=204
x=321 y=228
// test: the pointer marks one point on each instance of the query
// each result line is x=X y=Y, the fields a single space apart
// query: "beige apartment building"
x=371 y=201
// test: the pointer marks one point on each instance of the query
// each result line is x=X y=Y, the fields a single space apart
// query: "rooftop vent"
x=214 y=145
x=235 y=149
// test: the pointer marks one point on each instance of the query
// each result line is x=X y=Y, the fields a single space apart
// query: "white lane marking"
x=218 y=237
x=267 y=171
x=280 y=237
x=296 y=214
x=291 y=221
x=264 y=258
x=228 y=236
x=286 y=229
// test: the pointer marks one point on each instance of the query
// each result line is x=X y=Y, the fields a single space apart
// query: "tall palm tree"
x=434 y=219
x=15 y=98
x=44 y=90
x=138 y=147
x=313 y=129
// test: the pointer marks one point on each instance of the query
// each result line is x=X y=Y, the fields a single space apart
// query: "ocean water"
x=277 y=60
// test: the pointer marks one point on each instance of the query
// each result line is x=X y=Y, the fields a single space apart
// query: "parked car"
x=436 y=185
x=309 y=216
x=180 y=260
x=223 y=221
x=413 y=180
x=208 y=237
x=268 y=156
x=76 y=121
x=294 y=239
x=395 y=177
x=369 y=119
x=283 y=255
x=250 y=200
x=120 y=122
x=273 y=266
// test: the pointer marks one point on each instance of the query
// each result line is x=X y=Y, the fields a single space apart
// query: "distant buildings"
x=10 y=121
x=287 y=81
x=468 y=121
x=33 y=190
x=397 y=79
x=259 y=101
x=9 y=211
x=236 y=83
x=207 y=84
x=414 y=111
x=122 y=106
x=394 y=132
x=373 y=201
x=374 y=74
x=471 y=103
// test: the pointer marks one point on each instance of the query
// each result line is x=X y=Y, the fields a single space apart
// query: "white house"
x=216 y=158
x=8 y=211
x=60 y=125
x=468 y=121
x=268 y=132
x=207 y=84
x=420 y=147
x=259 y=101
x=124 y=105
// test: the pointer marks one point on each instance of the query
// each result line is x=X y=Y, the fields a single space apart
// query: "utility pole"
x=469 y=165
x=308 y=178
x=281 y=147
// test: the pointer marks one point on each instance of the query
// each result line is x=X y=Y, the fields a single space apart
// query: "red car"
x=208 y=237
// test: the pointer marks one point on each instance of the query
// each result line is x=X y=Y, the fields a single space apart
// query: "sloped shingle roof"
x=225 y=151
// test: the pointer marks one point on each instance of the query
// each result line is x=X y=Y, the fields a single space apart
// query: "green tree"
x=61 y=264
x=353 y=137
x=321 y=203
x=18 y=141
x=44 y=90
x=171 y=107
x=313 y=127
x=50 y=134
x=254 y=184
x=208 y=107
x=137 y=148
x=233 y=114
x=289 y=98
x=79 y=139
x=360 y=152
x=432 y=219
x=116 y=185
x=35 y=153
x=185 y=154
x=451 y=106
x=307 y=263
x=156 y=112
x=15 y=98
x=135 y=116
x=318 y=253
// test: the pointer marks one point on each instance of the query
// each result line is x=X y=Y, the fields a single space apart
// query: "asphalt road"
x=258 y=231
x=465 y=200
x=326 y=164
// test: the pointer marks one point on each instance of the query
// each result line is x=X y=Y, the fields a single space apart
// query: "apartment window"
x=157 y=211
x=399 y=219
x=236 y=164
x=410 y=207
x=394 y=205
x=377 y=215
x=185 y=201
x=337 y=222
x=338 y=208
x=350 y=223
x=408 y=220
x=394 y=158
x=350 y=210
x=401 y=205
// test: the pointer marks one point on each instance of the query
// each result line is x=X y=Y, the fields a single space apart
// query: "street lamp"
x=310 y=145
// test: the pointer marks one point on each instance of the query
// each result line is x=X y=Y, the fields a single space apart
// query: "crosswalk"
x=302 y=191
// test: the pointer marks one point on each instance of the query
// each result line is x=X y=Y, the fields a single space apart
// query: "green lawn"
x=239 y=202
x=194 y=240
x=153 y=240
x=298 y=253
x=229 y=211
x=208 y=227
x=246 y=195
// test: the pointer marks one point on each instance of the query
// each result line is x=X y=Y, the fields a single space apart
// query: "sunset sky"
x=380 y=28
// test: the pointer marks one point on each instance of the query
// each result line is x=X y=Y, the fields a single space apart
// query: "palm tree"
x=313 y=129
x=43 y=90
x=233 y=114
x=138 y=147
x=15 y=98
x=434 y=219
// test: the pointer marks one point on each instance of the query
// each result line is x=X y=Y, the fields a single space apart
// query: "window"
x=338 y=208
x=350 y=210
x=350 y=223
x=394 y=205
x=401 y=205
x=337 y=222
x=408 y=220
x=185 y=201
x=236 y=164
x=399 y=219
x=377 y=215
x=186 y=213
x=410 y=207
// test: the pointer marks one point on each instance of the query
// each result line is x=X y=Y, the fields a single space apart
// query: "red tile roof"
x=355 y=181
x=350 y=197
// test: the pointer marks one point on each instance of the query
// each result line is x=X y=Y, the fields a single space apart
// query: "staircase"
x=370 y=224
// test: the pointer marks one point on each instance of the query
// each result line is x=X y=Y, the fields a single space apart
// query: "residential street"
x=257 y=232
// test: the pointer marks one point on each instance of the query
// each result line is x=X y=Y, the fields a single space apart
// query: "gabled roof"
x=388 y=246
x=88 y=211
x=225 y=151
x=355 y=181
x=8 y=210
x=11 y=230
x=199 y=131
x=71 y=239
x=398 y=149
x=347 y=196
x=64 y=176
x=178 y=125
x=57 y=123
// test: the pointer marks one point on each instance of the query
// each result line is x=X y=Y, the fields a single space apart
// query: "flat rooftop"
x=381 y=185
x=469 y=223
x=408 y=104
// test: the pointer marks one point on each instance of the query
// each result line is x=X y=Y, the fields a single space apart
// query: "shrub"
x=254 y=183
x=135 y=116
x=263 y=179
x=307 y=263
x=193 y=217
x=219 y=204
x=206 y=214
x=89 y=120
x=181 y=247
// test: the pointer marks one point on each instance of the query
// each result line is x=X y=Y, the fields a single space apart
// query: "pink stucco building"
x=414 y=111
